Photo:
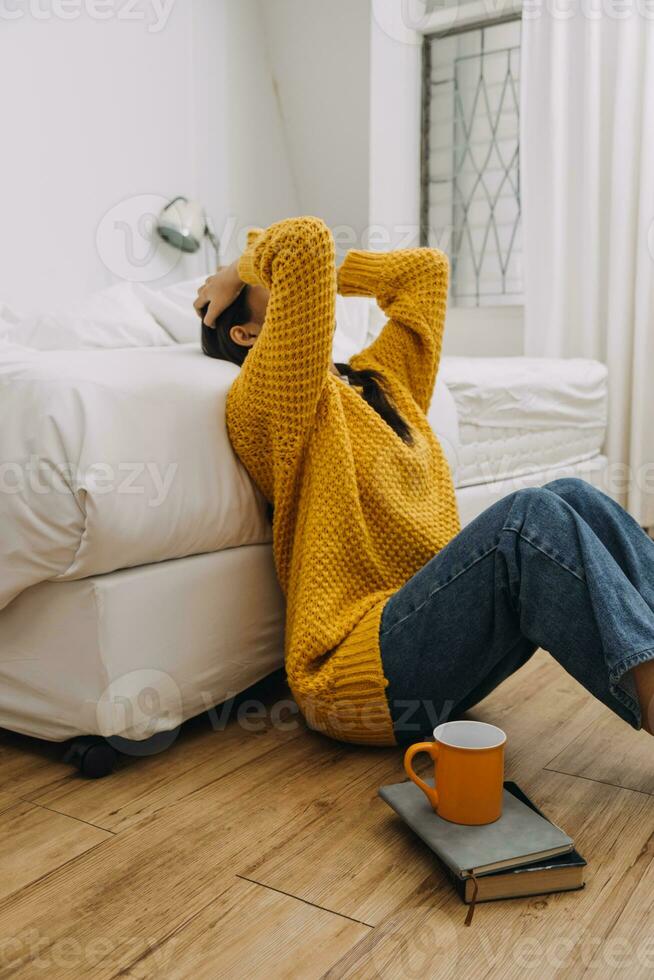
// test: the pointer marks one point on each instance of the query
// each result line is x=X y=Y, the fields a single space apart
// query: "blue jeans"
x=561 y=567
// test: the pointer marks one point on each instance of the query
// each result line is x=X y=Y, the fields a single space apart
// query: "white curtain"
x=587 y=163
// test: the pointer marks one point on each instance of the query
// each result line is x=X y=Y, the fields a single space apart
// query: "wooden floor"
x=263 y=851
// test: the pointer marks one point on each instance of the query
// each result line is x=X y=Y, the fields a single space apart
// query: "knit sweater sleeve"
x=273 y=401
x=411 y=288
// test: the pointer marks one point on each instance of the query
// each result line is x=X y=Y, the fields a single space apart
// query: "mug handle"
x=431 y=748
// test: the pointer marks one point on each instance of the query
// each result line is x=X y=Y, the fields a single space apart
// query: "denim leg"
x=620 y=534
x=528 y=572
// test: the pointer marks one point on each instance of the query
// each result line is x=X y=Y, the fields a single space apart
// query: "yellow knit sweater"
x=357 y=511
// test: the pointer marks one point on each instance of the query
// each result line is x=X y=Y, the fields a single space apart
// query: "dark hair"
x=217 y=342
x=373 y=391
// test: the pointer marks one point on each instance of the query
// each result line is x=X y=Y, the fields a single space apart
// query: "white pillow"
x=114 y=317
x=444 y=420
x=172 y=308
x=352 y=326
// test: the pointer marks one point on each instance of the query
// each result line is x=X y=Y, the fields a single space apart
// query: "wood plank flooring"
x=264 y=851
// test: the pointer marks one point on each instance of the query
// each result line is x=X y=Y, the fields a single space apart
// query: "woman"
x=396 y=619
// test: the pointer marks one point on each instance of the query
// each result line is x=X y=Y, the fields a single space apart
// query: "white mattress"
x=523 y=415
x=140 y=650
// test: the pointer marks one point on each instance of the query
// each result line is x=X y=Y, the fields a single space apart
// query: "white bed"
x=523 y=422
x=129 y=601
x=138 y=651
x=520 y=415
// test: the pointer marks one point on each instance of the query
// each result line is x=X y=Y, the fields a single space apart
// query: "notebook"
x=521 y=836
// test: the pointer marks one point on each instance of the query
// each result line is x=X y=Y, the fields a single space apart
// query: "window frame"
x=436 y=26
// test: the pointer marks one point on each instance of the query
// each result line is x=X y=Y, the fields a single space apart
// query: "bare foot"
x=644 y=678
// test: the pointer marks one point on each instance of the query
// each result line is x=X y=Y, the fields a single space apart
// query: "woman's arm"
x=273 y=401
x=411 y=288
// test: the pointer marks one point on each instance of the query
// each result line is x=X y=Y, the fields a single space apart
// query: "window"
x=471 y=160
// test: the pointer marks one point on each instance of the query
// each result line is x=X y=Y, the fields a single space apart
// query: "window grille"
x=471 y=161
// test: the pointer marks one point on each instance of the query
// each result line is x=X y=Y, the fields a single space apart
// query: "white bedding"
x=114 y=317
x=114 y=458
x=523 y=415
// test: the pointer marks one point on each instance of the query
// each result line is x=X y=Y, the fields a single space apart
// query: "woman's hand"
x=218 y=292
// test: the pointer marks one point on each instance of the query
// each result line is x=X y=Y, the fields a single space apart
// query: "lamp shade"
x=183 y=224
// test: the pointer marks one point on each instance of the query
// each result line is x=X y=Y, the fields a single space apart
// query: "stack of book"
x=522 y=853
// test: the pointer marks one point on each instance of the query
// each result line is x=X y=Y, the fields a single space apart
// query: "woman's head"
x=237 y=328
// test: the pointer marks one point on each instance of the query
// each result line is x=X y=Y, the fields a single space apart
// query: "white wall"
x=101 y=121
x=348 y=73
x=261 y=187
x=395 y=109
x=320 y=58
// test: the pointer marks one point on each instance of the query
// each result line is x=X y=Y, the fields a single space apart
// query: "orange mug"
x=468 y=771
